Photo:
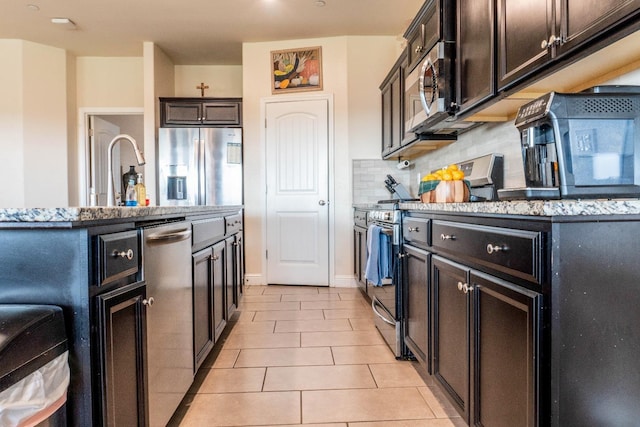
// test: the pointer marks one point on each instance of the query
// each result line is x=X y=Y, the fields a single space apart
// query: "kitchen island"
x=90 y=261
x=531 y=311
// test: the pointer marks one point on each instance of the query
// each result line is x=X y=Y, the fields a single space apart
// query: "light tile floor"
x=296 y=355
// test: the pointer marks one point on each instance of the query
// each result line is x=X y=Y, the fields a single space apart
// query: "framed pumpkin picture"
x=296 y=70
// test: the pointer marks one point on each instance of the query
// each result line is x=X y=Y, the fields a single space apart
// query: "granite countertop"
x=527 y=207
x=100 y=213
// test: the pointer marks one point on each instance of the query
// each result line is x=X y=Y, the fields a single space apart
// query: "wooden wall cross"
x=202 y=87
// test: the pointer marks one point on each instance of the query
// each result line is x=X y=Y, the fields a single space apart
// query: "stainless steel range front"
x=383 y=284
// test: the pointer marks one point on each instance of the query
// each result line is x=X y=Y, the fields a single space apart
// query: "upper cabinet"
x=176 y=112
x=475 y=53
x=392 y=109
x=532 y=34
x=434 y=22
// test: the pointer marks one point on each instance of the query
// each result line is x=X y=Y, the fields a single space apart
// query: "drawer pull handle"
x=416 y=229
x=464 y=287
x=148 y=301
x=447 y=237
x=496 y=248
x=128 y=254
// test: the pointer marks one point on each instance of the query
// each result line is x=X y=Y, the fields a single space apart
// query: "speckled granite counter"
x=79 y=215
x=535 y=207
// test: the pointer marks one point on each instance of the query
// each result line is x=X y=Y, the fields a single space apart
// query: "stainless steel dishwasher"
x=167 y=272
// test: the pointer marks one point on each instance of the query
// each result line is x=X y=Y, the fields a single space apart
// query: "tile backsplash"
x=500 y=138
x=369 y=176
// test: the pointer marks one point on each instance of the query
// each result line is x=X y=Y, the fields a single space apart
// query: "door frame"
x=331 y=172
x=83 y=143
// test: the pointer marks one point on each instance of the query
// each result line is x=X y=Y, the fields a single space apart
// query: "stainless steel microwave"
x=429 y=93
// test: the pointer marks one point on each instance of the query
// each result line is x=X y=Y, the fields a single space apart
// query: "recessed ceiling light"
x=33 y=7
x=320 y=3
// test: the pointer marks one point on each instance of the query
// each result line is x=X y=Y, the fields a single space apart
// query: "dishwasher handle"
x=169 y=237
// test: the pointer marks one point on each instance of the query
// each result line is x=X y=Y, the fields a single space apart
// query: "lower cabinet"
x=485 y=345
x=208 y=299
x=416 y=264
x=360 y=256
x=122 y=322
x=231 y=285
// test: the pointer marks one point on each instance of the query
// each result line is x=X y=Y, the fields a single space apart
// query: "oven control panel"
x=391 y=216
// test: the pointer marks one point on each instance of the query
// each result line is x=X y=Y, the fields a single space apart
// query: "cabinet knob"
x=148 y=301
x=215 y=257
x=419 y=49
x=491 y=249
x=128 y=254
x=416 y=229
x=447 y=237
x=464 y=287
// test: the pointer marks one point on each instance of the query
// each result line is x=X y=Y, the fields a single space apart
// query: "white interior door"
x=101 y=133
x=297 y=164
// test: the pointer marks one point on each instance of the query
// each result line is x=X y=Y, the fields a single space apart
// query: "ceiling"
x=196 y=32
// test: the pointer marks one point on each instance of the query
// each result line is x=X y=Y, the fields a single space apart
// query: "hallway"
x=312 y=356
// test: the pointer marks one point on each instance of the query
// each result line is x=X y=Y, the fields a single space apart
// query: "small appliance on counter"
x=485 y=175
x=580 y=145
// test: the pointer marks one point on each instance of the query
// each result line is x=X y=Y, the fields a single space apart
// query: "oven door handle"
x=374 y=302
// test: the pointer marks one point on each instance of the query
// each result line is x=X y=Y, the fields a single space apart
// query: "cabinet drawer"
x=360 y=218
x=515 y=252
x=417 y=231
x=119 y=256
x=206 y=232
x=233 y=224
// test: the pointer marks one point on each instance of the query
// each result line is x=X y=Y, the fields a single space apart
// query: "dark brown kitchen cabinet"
x=417 y=269
x=203 y=327
x=534 y=34
x=392 y=89
x=230 y=277
x=360 y=248
x=122 y=341
x=210 y=112
x=583 y=20
x=435 y=21
x=451 y=311
x=524 y=29
x=208 y=299
x=476 y=53
x=486 y=348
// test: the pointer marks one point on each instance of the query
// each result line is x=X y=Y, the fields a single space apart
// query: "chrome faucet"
x=111 y=200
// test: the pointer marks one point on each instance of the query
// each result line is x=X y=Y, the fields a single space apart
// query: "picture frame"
x=296 y=70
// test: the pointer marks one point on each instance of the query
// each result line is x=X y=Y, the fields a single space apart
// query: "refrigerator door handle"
x=200 y=161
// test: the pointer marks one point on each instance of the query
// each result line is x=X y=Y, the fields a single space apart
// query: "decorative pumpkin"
x=451 y=192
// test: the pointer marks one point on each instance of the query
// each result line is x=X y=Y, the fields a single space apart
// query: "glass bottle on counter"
x=141 y=191
x=131 y=198
x=131 y=173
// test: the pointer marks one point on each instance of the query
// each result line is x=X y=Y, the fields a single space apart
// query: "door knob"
x=322 y=203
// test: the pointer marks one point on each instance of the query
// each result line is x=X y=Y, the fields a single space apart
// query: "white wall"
x=353 y=67
x=33 y=125
x=224 y=81
x=109 y=82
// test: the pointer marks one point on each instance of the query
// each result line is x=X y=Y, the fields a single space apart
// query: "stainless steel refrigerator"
x=200 y=166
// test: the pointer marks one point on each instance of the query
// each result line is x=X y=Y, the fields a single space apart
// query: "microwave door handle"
x=428 y=65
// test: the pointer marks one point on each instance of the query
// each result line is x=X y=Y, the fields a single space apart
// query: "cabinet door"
x=238 y=266
x=122 y=338
x=450 y=330
x=506 y=321
x=229 y=285
x=222 y=113
x=582 y=20
x=417 y=270
x=218 y=264
x=475 y=69
x=203 y=333
x=182 y=113
x=387 y=130
x=524 y=29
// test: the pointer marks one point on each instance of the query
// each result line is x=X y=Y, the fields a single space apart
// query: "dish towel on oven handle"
x=378 y=256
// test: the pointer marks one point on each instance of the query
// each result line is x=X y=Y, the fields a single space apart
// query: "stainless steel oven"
x=386 y=297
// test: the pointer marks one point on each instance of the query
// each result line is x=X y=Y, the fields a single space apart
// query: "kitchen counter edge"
x=79 y=216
